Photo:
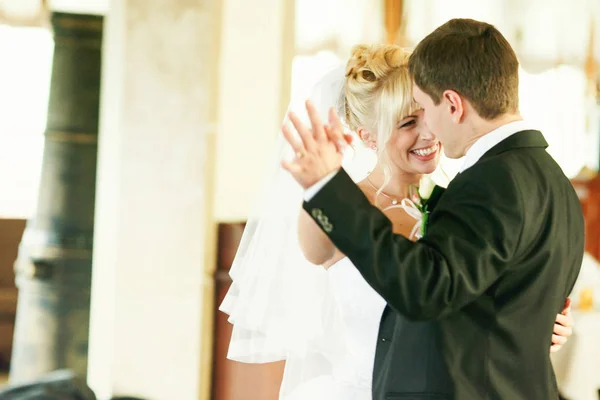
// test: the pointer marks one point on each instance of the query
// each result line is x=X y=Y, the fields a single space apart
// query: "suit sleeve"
x=472 y=237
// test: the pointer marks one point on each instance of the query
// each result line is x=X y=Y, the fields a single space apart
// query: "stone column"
x=53 y=268
x=154 y=233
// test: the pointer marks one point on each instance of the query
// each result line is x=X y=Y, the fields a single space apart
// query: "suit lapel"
x=437 y=193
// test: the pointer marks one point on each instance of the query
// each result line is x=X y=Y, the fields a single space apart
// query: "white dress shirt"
x=475 y=152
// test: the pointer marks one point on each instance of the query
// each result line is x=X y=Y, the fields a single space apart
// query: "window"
x=24 y=87
x=555 y=101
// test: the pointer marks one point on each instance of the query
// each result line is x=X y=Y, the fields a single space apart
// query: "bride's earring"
x=366 y=138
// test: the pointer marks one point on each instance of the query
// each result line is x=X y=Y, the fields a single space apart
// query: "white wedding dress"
x=349 y=372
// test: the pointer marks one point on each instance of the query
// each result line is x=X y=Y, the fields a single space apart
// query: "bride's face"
x=412 y=148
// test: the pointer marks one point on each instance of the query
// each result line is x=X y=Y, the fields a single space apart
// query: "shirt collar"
x=489 y=140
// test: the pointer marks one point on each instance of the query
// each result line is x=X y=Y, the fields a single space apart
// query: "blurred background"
x=135 y=134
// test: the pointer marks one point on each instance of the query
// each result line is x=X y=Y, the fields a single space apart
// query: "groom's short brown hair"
x=473 y=59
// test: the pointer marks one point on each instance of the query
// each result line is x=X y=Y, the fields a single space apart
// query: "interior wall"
x=256 y=51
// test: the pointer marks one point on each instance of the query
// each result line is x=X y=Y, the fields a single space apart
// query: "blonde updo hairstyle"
x=378 y=95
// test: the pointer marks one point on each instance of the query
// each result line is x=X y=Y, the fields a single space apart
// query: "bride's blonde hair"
x=378 y=94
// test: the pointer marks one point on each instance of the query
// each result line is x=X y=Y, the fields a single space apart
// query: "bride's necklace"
x=392 y=199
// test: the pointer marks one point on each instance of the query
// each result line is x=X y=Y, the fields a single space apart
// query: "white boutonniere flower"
x=426 y=186
x=419 y=196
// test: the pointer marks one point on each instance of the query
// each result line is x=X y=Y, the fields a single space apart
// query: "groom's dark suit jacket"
x=502 y=251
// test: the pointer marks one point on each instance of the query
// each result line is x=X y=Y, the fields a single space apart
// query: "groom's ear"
x=455 y=105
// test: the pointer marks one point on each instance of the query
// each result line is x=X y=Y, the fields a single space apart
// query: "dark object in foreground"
x=57 y=385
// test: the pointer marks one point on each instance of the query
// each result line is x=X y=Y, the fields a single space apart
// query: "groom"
x=504 y=244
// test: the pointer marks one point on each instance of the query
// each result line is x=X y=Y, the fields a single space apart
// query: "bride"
x=324 y=322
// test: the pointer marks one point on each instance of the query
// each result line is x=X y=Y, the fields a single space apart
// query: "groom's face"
x=439 y=121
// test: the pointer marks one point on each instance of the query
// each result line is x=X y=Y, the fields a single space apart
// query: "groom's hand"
x=318 y=151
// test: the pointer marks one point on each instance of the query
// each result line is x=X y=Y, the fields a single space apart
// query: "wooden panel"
x=588 y=190
x=233 y=380
x=11 y=231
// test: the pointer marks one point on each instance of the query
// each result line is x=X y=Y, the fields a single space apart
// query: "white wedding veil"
x=280 y=304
